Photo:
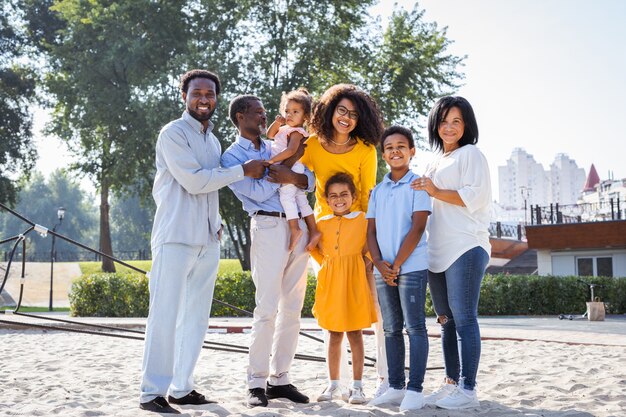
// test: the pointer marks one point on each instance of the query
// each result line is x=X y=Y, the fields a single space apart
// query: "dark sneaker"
x=193 y=398
x=286 y=391
x=257 y=397
x=159 y=405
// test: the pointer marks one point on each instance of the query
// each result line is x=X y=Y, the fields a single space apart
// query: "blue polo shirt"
x=392 y=204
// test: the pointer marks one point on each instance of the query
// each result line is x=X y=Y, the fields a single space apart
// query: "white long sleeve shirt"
x=453 y=230
x=186 y=184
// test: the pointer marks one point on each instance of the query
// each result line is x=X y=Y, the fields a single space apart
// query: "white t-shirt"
x=453 y=230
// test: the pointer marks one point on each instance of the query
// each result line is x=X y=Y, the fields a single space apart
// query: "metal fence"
x=577 y=213
x=86 y=256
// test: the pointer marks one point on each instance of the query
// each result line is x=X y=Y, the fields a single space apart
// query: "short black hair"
x=340 y=178
x=198 y=73
x=240 y=104
x=401 y=130
x=440 y=111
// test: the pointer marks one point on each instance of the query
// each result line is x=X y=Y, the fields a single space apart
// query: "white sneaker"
x=459 y=399
x=329 y=393
x=412 y=400
x=392 y=395
x=443 y=391
x=356 y=396
x=381 y=387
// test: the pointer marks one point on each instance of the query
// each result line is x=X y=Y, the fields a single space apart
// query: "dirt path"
x=37 y=285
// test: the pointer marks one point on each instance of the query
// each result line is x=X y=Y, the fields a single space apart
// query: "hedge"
x=126 y=295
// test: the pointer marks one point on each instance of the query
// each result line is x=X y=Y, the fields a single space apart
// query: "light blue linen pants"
x=181 y=291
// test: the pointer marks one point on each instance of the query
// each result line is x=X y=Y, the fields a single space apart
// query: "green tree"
x=17 y=88
x=108 y=71
x=39 y=200
x=131 y=222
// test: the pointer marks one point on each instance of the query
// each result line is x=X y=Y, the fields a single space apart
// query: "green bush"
x=110 y=295
x=127 y=295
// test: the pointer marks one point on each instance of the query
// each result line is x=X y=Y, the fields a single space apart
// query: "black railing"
x=503 y=230
x=86 y=256
x=577 y=213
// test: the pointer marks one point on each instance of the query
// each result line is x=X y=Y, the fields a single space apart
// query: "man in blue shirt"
x=279 y=275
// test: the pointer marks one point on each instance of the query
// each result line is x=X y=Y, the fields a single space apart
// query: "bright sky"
x=545 y=75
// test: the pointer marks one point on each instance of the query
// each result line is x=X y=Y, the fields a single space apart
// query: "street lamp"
x=60 y=216
x=525 y=195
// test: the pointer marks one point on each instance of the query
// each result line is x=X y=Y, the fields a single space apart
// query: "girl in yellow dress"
x=343 y=301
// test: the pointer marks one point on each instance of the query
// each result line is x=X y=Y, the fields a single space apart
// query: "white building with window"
x=524 y=181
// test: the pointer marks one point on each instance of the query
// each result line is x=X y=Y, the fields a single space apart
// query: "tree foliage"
x=17 y=88
x=39 y=200
x=113 y=68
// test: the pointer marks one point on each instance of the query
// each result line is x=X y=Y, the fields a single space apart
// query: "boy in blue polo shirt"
x=396 y=238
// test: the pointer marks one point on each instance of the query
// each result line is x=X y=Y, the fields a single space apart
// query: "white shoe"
x=356 y=396
x=459 y=399
x=412 y=400
x=329 y=393
x=392 y=395
x=381 y=387
x=443 y=391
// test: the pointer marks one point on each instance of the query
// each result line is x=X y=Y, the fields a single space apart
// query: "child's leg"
x=287 y=195
x=358 y=353
x=314 y=234
x=334 y=354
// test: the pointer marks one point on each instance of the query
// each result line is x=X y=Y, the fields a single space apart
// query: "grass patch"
x=36 y=309
x=227 y=266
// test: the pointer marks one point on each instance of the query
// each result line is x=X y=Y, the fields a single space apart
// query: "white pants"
x=181 y=291
x=293 y=199
x=280 y=280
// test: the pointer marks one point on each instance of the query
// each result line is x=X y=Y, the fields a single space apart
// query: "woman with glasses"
x=346 y=127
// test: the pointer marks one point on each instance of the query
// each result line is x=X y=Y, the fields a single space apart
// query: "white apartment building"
x=524 y=181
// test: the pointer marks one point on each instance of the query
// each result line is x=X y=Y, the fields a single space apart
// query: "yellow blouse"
x=360 y=162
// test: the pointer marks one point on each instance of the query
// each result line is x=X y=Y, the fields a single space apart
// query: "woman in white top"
x=458 y=243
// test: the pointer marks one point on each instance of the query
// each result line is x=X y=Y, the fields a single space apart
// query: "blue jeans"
x=404 y=306
x=455 y=293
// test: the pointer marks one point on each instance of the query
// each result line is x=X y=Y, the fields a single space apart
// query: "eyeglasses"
x=342 y=111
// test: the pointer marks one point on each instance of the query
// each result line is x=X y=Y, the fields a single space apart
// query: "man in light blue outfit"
x=185 y=245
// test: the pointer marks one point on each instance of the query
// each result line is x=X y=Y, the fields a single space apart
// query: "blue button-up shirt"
x=256 y=194
x=392 y=205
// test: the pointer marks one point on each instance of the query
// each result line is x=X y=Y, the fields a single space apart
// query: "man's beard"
x=201 y=117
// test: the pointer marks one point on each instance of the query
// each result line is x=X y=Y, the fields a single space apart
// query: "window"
x=596 y=266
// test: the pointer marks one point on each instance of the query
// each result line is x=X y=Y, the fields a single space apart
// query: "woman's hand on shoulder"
x=424 y=184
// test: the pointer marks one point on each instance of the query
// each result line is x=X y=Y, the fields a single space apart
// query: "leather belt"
x=272 y=214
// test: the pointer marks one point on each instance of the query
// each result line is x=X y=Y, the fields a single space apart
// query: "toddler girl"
x=295 y=107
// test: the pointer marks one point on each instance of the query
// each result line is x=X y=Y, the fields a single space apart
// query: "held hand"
x=281 y=174
x=424 y=184
x=388 y=274
x=254 y=168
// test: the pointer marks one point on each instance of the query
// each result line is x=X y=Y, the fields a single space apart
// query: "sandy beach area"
x=46 y=373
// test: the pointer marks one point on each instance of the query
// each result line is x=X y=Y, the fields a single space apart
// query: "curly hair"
x=300 y=96
x=340 y=178
x=198 y=73
x=369 y=127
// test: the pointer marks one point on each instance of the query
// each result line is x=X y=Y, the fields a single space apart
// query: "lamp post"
x=60 y=216
x=525 y=195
